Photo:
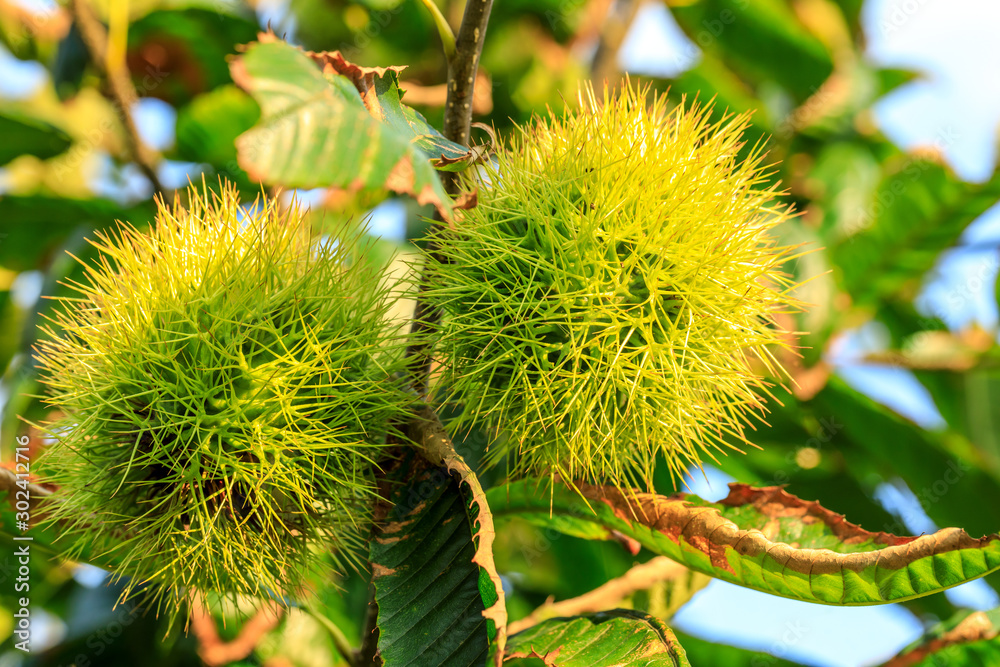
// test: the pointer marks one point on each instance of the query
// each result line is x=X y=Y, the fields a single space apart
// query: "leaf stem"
x=444 y=30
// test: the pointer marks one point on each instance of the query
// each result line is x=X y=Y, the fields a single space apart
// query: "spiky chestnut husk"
x=227 y=382
x=603 y=302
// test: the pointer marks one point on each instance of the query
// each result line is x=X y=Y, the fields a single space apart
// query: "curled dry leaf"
x=762 y=538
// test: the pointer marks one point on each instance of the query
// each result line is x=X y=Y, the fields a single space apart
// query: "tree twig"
x=215 y=652
x=436 y=96
x=123 y=93
x=608 y=596
x=367 y=654
x=462 y=67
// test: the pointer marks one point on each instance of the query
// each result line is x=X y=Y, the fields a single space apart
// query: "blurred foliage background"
x=880 y=218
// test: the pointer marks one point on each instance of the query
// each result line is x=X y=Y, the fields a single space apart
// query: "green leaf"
x=23 y=135
x=971 y=638
x=427 y=587
x=765 y=539
x=891 y=78
x=315 y=131
x=33 y=226
x=945 y=472
x=916 y=212
x=427 y=432
x=622 y=637
x=444 y=154
x=849 y=174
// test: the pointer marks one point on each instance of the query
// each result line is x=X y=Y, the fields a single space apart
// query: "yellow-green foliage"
x=227 y=381
x=602 y=304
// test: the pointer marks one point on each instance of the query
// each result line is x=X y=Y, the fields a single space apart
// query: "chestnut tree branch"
x=607 y=596
x=367 y=655
x=462 y=67
x=123 y=94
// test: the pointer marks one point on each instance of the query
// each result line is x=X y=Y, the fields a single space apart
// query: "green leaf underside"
x=430 y=609
x=970 y=639
x=618 y=638
x=316 y=132
x=435 y=446
x=765 y=539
